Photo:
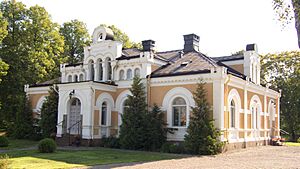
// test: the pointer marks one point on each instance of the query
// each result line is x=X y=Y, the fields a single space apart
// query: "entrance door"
x=75 y=117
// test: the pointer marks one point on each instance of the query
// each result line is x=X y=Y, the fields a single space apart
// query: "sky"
x=224 y=27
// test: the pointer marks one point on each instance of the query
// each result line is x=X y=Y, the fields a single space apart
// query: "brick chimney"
x=191 y=43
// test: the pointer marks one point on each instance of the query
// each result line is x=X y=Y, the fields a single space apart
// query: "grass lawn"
x=77 y=158
x=19 y=143
x=292 y=144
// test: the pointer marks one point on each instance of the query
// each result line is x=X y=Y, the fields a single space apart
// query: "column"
x=245 y=112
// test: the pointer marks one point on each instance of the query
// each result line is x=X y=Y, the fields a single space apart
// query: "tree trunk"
x=296 y=5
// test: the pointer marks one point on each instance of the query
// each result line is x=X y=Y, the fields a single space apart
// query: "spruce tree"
x=23 y=127
x=133 y=133
x=49 y=113
x=202 y=137
x=156 y=131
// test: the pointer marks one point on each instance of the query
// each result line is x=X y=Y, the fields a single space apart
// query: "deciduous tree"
x=282 y=72
x=76 y=37
x=121 y=36
x=286 y=11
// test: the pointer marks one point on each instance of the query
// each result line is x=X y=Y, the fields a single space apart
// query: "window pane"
x=104 y=114
x=179 y=101
x=129 y=74
x=175 y=116
x=232 y=114
x=137 y=72
x=121 y=75
x=183 y=116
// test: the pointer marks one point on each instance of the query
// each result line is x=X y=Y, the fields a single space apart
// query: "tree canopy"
x=76 y=37
x=286 y=11
x=282 y=72
x=121 y=36
x=32 y=48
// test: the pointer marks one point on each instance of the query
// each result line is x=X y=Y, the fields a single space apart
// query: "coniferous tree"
x=49 y=113
x=133 y=129
x=23 y=128
x=202 y=137
x=157 y=131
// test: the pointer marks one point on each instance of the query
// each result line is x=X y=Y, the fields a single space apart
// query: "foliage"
x=286 y=11
x=177 y=148
x=202 y=137
x=156 y=130
x=3 y=69
x=282 y=72
x=23 y=128
x=47 y=145
x=133 y=129
x=4 y=141
x=32 y=48
x=240 y=52
x=49 y=113
x=4 y=161
x=76 y=37
x=123 y=37
x=111 y=142
x=3 y=27
x=298 y=140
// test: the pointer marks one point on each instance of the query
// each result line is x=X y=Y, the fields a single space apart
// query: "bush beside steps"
x=3 y=141
x=47 y=145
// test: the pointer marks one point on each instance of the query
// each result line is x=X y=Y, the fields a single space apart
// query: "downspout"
x=93 y=111
x=226 y=100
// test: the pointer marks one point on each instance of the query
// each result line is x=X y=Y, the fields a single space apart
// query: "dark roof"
x=55 y=81
x=232 y=71
x=74 y=65
x=172 y=55
x=131 y=52
x=228 y=58
x=189 y=63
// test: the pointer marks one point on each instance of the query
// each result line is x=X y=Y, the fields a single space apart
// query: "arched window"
x=81 y=77
x=129 y=74
x=121 y=75
x=232 y=113
x=91 y=69
x=108 y=68
x=70 y=78
x=179 y=112
x=104 y=114
x=100 y=70
x=253 y=113
x=75 y=78
x=137 y=72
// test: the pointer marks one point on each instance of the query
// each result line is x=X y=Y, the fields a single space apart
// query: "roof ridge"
x=170 y=51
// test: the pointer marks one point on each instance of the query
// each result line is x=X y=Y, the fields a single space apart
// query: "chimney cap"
x=191 y=43
x=251 y=47
x=148 y=45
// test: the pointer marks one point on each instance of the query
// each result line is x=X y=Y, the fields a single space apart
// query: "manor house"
x=92 y=93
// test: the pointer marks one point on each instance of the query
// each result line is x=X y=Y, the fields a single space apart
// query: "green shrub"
x=47 y=145
x=298 y=140
x=3 y=141
x=111 y=142
x=4 y=162
x=165 y=148
x=177 y=148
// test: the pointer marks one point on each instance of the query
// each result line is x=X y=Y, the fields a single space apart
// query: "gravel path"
x=257 y=157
